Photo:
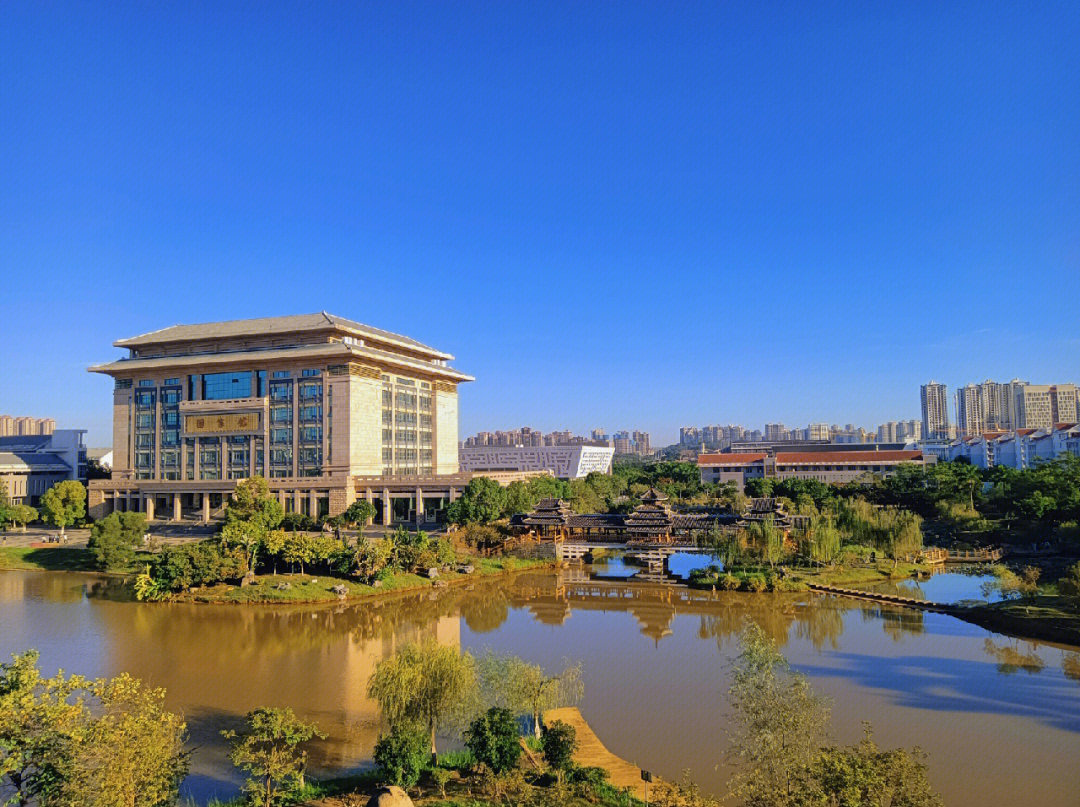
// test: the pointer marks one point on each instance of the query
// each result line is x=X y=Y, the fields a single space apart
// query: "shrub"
x=440 y=777
x=296 y=521
x=559 y=741
x=493 y=739
x=756 y=582
x=728 y=582
x=401 y=755
x=198 y=564
x=1069 y=584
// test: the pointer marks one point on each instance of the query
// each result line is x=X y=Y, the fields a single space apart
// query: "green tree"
x=69 y=742
x=518 y=499
x=824 y=541
x=130 y=749
x=779 y=722
x=113 y=540
x=559 y=742
x=360 y=513
x=401 y=755
x=760 y=487
x=425 y=684
x=525 y=688
x=271 y=750
x=481 y=502
x=5 y=505
x=252 y=502
x=769 y=540
x=493 y=739
x=370 y=558
x=37 y=721
x=64 y=503
x=865 y=776
x=21 y=514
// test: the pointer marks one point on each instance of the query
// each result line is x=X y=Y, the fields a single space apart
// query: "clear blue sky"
x=614 y=214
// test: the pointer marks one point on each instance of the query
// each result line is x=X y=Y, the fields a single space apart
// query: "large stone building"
x=327 y=409
x=564 y=462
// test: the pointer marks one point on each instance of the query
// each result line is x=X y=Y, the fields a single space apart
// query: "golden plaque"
x=223 y=423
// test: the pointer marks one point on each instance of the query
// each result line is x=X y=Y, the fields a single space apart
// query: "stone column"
x=205 y=507
x=176 y=514
x=149 y=499
x=387 y=507
x=419 y=506
x=452 y=496
x=296 y=502
x=313 y=503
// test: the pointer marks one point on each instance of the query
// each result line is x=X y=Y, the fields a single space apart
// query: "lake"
x=998 y=717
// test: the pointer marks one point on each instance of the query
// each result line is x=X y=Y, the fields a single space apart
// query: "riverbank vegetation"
x=68 y=741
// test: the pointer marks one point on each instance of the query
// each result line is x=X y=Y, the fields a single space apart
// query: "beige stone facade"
x=325 y=408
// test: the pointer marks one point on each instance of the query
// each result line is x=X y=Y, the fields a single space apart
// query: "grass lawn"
x=59 y=559
x=1055 y=619
x=318 y=587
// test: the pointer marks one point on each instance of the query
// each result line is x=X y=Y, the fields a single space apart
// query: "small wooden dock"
x=592 y=753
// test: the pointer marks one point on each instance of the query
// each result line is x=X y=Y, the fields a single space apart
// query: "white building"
x=934 y=398
x=564 y=462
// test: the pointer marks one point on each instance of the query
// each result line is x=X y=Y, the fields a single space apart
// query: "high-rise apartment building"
x=325 y=408
x=775 y=431
x=25 y=426
x=970 y=413
x=934 y=398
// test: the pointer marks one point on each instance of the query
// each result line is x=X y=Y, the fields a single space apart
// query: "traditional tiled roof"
x=844 y=457
x=729 y=459
x=331 y=351
x=549 y=513
x=261 y=326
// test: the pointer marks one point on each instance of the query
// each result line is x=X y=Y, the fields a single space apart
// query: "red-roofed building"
x=834 y=467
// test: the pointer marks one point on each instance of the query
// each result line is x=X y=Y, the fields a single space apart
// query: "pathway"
x=592 y=753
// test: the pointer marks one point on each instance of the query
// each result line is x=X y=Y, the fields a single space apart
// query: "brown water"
x=999 y=718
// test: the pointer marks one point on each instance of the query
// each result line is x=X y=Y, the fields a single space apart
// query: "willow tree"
x=512 y=683
x=824 y=541
x=427 y=685
x=769 y=540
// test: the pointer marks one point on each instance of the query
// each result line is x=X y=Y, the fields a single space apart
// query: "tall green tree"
x=527 y=689
x=481 y=502
x=253 y=503
x=425 y=684
x=360 y=513
x=113 y=539
x=559 y=742
x=64 y=504
x=22 y=514
x=779 y=722
x=272 y=750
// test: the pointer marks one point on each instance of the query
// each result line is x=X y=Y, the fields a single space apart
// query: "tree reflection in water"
x=1011 y=658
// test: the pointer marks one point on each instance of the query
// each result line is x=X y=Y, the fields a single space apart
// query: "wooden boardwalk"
x=892 y=599
x=591 y=752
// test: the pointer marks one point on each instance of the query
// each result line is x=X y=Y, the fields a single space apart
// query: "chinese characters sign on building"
x=223 y=423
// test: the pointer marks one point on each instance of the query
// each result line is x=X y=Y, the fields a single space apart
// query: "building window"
x=225 y=386
x=146 y=382
x=194 y=385
x=172 y=382
x=144 y=421
x=310 y=414
x=144 y=441
x=310 y=392
x=311 y=434
x=281 y=436
x=144 y=400
x=170 y=437
x=281 y=392
x=280 y=414
x=309 y=373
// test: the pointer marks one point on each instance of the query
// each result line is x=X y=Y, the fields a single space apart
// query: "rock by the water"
x=377 y=584
x=439 y=584
x=283 y=586
x=466 y=569
x=392 y=796
x=340 y=590
x=431 y=573
x=248 y=579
